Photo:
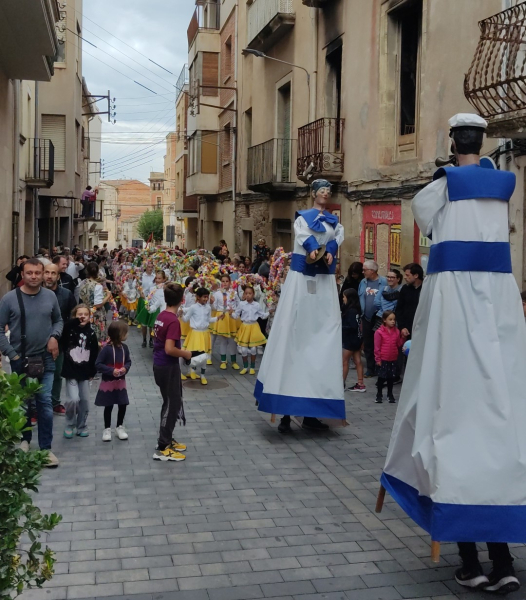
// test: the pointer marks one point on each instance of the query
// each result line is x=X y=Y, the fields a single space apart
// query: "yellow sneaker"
x=235 y=366
x=183 y=377
x=139 y=326
x=129 y=322
x=223 y=366
x=203 y=380
x=209 y=362
x=168 y=454
x=177 y=447
x=252 y=371
x=194 y=375
x=243 y=372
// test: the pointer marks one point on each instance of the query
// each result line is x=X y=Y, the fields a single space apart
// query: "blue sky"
x=141 y=31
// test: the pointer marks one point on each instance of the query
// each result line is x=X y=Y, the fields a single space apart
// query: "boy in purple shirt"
x=167 y=373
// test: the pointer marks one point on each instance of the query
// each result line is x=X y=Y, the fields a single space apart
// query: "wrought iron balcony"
x=93 y=213
x=40 y=163
x=496 y=81
x=268 y=21
x=320 y=150
x=270 y=167
x=205 y=17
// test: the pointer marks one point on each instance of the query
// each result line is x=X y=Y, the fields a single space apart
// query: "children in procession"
x=80 y=347
x=114 y=363
x=352 y=338
x=199 y=315
x=226 y=302
x=249 y=336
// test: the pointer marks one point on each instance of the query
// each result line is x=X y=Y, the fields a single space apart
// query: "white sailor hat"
x=467 y=120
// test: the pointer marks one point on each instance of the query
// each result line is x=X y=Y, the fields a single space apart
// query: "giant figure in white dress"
x=457 y=458
x=301 y=370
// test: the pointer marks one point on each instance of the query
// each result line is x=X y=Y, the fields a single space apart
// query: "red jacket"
x=386 y=344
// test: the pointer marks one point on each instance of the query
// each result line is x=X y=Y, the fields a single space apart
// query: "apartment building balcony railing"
x=96 y=215
x=205 y=18
x=320 y=150
x=40 y=163
x=28 y=40
x=182 y=82
x=268 y=21
x=496 y=81
x=270 y=167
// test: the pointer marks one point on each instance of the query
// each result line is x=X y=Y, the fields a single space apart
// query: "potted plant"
x=19 y=475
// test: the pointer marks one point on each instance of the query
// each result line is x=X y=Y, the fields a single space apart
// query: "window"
x=334 y=80
x=61 y=51
x=394 y=246
x=226 y=147
x=78 y=50
x=79 y=146
x=159 y=202
x=54 y=129
x=282 y=230
x=209 y=151
x=248 y=128
x=283 y=129
x=369 y=241
x=409 y=25
x=227 y=56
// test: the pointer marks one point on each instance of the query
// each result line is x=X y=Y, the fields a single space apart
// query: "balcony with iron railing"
x=40 y=163
x=268 y=21
x=320 y=150
x=269 y=167
x=182 y=82
x=495 y=84
x=205 y=18
x=92 y=213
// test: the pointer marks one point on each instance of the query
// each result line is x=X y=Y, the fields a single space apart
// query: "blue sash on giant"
x=494 y=257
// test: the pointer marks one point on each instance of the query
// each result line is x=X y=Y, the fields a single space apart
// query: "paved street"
x=249 y=514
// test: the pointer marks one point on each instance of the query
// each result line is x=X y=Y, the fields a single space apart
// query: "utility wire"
x=122 y=41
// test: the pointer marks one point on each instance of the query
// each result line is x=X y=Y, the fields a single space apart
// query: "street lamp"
x=259 y=54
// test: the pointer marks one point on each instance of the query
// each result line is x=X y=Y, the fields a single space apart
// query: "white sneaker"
x=24 y=446
x=106 y=435
x=121 y=433
x=52 y=460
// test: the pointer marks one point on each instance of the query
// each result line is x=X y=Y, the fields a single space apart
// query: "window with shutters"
x=54 y=129
x=79 y=147
x=209 y=73
x=284 y=129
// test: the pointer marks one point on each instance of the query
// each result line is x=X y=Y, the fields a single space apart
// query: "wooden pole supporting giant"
x=435 y=551
x=272 y=418
x=380 y=499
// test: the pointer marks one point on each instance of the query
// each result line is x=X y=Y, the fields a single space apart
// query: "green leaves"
x=20 y=473
x=151 y=222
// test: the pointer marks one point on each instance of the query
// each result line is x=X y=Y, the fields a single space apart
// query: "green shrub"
x=19 y=474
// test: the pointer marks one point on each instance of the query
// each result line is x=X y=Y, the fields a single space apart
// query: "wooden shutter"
x=210 y=73
x=209 y=153
x=54 y=129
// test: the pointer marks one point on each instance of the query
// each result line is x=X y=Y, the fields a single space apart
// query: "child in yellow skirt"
x=225 y=302
x=215 y=313
x=249 y=335
x=199 y=315
x=188 y=301
x=130 y=297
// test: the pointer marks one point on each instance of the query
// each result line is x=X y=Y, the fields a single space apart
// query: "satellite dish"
x=92 y=228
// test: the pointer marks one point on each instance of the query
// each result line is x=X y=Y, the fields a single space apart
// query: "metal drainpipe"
x=315 y=16
x=16 y=160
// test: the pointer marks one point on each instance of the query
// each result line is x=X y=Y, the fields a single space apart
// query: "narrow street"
x=249 y=514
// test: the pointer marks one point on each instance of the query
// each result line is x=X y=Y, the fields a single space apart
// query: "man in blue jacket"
x=370 y=286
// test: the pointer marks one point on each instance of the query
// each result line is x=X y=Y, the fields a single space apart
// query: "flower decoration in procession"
x=249 y=280
x=279 y=261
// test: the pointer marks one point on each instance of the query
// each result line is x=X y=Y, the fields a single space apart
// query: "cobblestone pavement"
x=249 y=514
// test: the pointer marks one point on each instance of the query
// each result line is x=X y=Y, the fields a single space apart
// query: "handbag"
x=33 y=365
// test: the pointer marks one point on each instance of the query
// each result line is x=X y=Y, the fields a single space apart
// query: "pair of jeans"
x=77 y=404
x=43 y=402
x=499 y=554
x=57 y=380
x=85 y=208
x=368 y=344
